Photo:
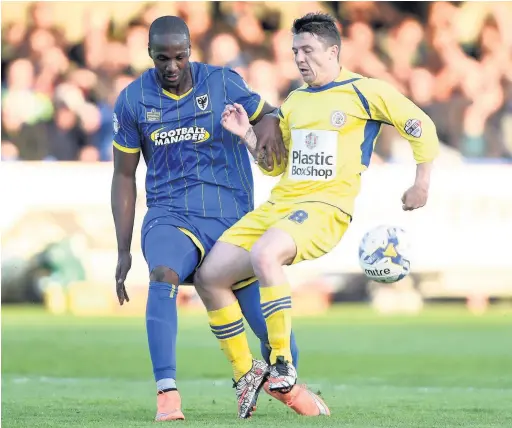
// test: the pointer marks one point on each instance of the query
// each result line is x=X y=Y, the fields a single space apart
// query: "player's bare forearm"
x=251 y=141
x=123 y=197
x=416 y=196
x=423 y=172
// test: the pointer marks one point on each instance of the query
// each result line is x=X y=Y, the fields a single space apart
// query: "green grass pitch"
x=443 y=368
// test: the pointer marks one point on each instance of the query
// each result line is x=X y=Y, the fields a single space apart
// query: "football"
x=384 y=254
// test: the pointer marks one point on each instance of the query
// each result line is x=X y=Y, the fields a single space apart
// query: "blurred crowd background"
x=63 y=65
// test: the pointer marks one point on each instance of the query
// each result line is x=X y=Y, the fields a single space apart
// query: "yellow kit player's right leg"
x=249 y=375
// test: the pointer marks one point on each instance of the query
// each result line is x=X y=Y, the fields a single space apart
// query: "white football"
x=384 y=254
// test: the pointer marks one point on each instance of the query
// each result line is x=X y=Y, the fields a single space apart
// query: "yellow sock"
x=276 y=304
x=227 y=325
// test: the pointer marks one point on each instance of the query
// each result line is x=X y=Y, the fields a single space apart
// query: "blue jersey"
x=194 y=166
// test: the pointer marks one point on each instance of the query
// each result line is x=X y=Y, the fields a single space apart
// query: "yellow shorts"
x=315 y=227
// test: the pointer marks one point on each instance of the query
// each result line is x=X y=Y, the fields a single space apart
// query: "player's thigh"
x=229 y=261
x=315 y=227
x=225 y=265
x=167 y=247
x=275 y=246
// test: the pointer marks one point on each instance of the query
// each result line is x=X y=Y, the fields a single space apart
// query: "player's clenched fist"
x=270 y=141
x=124 y=263
x=235 y=120
x=415 y=197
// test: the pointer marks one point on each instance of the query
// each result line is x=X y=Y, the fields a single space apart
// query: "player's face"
x=314 y=59
x=170 y=54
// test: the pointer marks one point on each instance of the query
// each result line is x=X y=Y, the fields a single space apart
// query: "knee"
x=212 y=286
x=204 y=283
x=267 y=254
x=203 y=280
x=265 y=257
x=164 y=274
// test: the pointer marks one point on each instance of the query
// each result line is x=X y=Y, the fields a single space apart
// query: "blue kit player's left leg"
x=173 y=248
x=171 y=256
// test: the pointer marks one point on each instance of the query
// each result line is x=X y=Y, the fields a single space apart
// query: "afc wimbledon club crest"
x=338 y=118
x=413 y=127
x=115 y=123
x=202 y=101
x=311 y=141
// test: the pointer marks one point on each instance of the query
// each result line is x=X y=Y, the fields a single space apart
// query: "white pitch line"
x=315 y=385
x=72 y=380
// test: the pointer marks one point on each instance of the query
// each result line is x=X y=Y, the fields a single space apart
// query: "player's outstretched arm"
x=387 y=104
x=123 y=197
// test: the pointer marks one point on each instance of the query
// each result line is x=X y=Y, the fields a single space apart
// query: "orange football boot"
x=301 y=400
x=168 y=406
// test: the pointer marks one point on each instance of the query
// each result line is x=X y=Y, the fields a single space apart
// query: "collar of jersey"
x=345 y=77
x=179 y=97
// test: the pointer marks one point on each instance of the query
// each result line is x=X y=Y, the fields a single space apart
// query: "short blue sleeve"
x=239 y=92
x=125 y=131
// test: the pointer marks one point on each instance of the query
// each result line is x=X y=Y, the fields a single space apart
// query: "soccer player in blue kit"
x=198 y=184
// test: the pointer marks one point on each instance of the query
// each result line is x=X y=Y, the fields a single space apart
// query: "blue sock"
x=162 y=329
x=249 y=301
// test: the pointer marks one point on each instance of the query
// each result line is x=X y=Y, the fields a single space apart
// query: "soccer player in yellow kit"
x=329 y=127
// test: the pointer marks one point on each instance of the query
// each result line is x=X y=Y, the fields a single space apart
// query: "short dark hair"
x=168 y=25
x=319 y=24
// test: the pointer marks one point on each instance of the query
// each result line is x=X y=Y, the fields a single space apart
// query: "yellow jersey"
x=330 y=133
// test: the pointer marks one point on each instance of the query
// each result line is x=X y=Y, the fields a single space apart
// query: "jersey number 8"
x=298 y=216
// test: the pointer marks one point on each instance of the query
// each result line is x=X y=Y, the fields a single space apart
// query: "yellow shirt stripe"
x=258 y=110
x=125 y=149
x=176 y=97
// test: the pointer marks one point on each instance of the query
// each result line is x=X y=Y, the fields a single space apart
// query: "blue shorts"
x=179 y=242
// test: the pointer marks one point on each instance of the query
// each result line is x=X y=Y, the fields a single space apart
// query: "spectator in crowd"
x=9 y=151
x=453 y=59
